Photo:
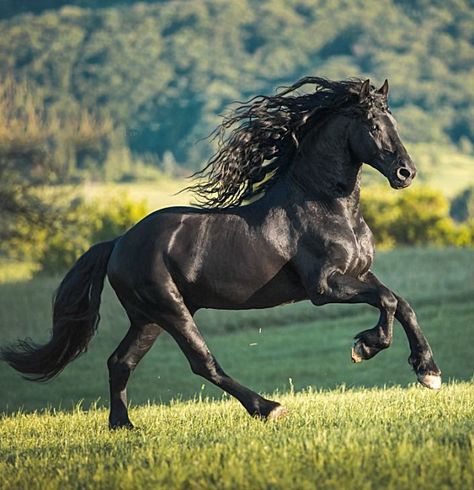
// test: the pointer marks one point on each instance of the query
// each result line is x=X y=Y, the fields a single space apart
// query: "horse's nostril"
x=403 y=173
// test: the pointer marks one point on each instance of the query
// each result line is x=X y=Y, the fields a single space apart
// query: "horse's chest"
x=362 y=249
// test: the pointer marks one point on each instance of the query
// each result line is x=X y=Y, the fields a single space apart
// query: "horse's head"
x=374 y=138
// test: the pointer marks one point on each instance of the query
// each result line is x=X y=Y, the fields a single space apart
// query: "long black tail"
x=75 y=319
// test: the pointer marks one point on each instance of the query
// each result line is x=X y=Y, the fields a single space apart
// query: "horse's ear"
x=364 y=90
x=383 y=90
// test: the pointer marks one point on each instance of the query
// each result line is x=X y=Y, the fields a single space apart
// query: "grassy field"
x=360 y=439
x=442 y=168
x=160 y=194
x=447 y=171
x=262 y=349
x=394 y=435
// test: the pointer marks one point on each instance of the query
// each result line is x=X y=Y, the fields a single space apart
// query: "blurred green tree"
x=164 y=71
x=28 y=137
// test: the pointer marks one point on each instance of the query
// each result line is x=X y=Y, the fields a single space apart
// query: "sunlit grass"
x=352 y=437
x=157 y=194
x=359 y=439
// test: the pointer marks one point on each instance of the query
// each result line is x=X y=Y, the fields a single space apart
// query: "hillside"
x=359 y=439
x=163 y=71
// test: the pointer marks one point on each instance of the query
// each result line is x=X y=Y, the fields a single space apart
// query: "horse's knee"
x=389 y=302
x=118 y=369
x=384 y=341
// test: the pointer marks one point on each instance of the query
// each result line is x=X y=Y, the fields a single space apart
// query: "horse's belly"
x=228 y=289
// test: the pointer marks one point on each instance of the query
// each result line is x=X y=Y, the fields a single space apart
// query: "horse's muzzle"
x=402 y=176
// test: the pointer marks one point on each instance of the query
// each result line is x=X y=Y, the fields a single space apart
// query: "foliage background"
x=163 y=71
x=102 y=106
x=126 y=91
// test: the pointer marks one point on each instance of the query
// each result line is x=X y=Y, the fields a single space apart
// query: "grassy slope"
x=361 y=439
x=160 y=194
x=450 y=172
x=442 y=168
x=310 y=345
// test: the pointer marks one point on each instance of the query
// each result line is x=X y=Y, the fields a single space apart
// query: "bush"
x=462 y=207
x=421 y=216
x=86 y=224
x=418 y=216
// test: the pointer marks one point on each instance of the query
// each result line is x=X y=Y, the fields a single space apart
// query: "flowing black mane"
x=257 y=139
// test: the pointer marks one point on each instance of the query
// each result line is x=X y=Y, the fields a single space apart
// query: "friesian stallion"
x=278 y=220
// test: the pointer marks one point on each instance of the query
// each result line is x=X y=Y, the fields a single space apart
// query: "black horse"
x=296 y=159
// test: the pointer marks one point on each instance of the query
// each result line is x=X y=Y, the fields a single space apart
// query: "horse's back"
x=215 y=260
x=176 y=239
x=141 y=246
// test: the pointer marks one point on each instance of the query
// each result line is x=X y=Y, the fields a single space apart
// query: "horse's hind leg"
x=121 y=363
x=178 y=322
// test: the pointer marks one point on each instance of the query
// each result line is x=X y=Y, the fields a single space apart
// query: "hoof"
x=356 y=354
x=431 y=381
x=278 y=412
x=121 y=425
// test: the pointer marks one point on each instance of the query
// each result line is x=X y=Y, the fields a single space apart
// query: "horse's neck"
x=323 y=169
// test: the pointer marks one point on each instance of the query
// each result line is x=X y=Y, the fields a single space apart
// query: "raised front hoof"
x=121 y=424
x=278 y=412
x=431 y=381
x=357 y=352
x=363 y=352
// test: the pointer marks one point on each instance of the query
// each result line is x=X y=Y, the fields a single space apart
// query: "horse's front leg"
x=368 y=289
x=421 y=356
x=343 y=288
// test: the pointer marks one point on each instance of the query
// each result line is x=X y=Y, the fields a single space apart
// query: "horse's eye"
x=374 y=128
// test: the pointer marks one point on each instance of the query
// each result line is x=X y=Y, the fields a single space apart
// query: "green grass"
x=262 y=349
x=360 y=439
x=394 y=435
